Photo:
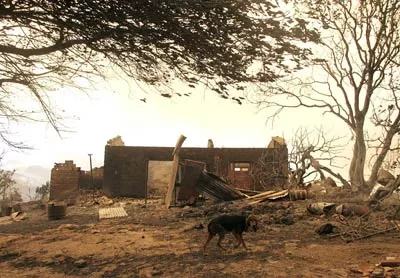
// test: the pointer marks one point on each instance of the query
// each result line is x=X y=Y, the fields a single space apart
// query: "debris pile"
x=354 y=221
x=384 y=191
x=388 y=267
x=104 y=201
x=189 y=179
x=321 y=208
x=327 y=228
x=353 y=210
x=93 y=197
x=357 y=228
x=195 y=181
x=14 y=217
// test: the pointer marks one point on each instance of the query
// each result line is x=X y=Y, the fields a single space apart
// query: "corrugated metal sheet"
x=218 y=188
x=114 y=212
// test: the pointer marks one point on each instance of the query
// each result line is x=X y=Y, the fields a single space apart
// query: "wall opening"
x=158 y=176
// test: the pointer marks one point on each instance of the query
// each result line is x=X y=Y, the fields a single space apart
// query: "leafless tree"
x=313 y=153
x=355 y=77
x=270 y=170
x=49 y=45
x=7 y=185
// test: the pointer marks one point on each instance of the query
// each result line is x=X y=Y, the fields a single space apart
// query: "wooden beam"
x=175 y=165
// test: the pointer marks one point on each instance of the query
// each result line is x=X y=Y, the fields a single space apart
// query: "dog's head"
x=252 y=223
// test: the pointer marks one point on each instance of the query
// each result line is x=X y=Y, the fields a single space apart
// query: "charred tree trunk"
x=357 y=165
x=380 y=158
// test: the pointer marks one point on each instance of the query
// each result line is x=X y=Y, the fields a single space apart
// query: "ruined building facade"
x=66 y=179
x=126 y=168
x=136 y=171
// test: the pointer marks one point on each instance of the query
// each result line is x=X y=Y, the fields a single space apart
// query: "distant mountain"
x=36 y=172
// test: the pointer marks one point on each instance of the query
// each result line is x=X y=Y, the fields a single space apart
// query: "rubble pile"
x=94 y=197
x=388 y=267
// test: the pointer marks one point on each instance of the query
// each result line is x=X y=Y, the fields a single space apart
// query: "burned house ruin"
x=128 y=168
x=66 y=180
x=134 y=171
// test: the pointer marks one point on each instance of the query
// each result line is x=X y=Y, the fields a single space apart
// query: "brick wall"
x=85 y=182
x=64 y=181
x=126 y=168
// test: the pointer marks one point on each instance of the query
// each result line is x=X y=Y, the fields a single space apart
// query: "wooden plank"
x=271 y=196
x=248 y=192
x=393 y=262
x=278 y=194
x=261 y=195
x=175 y=165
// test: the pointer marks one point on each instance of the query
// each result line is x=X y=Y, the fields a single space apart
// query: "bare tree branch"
x=355 y=76
x=49 y=45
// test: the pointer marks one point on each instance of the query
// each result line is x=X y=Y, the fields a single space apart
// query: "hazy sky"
x=114 y=108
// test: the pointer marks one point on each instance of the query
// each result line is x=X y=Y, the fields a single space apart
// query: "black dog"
x=236 y=224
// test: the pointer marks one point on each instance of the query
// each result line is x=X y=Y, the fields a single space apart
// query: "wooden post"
x=147 y=180
x=175 y=165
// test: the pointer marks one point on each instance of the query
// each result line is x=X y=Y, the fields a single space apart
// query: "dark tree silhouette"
x=47 y=45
